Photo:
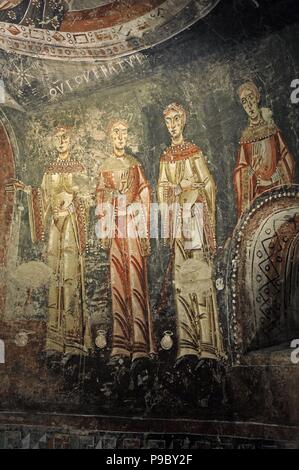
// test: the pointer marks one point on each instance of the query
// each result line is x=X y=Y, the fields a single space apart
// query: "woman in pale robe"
x=186 y=185
x=60 y=206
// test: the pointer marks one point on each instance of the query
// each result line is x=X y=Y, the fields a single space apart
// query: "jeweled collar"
x=65 y=166
x=180 y=152
x=257 y=133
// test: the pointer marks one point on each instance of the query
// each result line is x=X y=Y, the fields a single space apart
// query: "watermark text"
x=138 y=220
x=295 y=92
x=295 y=353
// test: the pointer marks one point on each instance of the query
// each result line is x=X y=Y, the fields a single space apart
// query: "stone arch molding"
x=263 y=268
x=106 y=37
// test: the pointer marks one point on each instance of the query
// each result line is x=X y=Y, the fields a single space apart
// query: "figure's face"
x=62 y=142
x=119 y=136
x=175 y=123
x=250 y=104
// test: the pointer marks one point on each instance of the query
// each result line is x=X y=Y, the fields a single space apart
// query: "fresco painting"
x=149 y=254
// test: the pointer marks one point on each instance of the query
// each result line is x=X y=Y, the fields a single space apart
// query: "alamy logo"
x=295 y=93
x=295 y=353
x=2 y=352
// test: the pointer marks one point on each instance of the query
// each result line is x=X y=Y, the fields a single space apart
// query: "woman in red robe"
x=264 y=161
x=124 y=190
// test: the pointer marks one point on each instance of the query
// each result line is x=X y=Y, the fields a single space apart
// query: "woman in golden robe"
x=60 y=204
x=185 y=182
x=264 y=161
x=123 y=186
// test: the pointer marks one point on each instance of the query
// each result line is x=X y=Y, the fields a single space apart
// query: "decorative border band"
x=153 y=28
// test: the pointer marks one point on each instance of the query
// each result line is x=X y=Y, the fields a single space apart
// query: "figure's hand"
x=89 y=200
x=105 y=244
x=145 y=247
x=264 y=183
x=167 y=184
x=15 y=185
x=124 y=183
x=187 y=184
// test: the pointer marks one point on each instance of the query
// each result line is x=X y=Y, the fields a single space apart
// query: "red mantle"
x=7 y=171
x=107 y=16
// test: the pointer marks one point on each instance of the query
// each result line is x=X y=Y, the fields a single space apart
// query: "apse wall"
x=202 y=70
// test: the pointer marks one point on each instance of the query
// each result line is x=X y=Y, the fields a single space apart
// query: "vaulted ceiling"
x=103 y=30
